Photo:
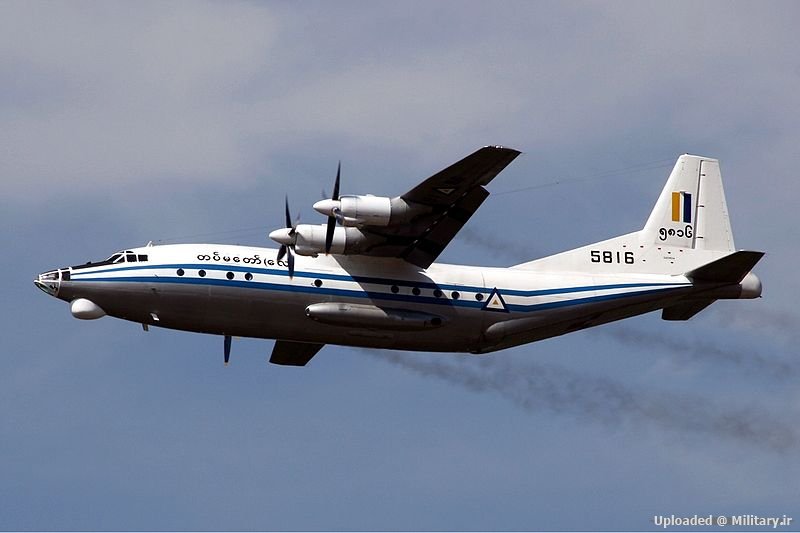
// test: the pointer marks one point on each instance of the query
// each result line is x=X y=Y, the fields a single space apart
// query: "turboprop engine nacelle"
x=309 y=239
x=367 y=210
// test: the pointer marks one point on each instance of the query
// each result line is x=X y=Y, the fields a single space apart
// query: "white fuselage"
x=244 y=291
x=380 y=286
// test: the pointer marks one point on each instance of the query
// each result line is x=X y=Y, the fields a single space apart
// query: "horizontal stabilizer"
x=293 y=353
x=730 y=269
x=686 y=310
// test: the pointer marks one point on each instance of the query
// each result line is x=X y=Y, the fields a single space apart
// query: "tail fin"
x=691 y=212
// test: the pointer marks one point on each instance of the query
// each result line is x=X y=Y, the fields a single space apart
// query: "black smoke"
x=539 y=387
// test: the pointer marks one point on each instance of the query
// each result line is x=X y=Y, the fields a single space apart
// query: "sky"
x=123 y=123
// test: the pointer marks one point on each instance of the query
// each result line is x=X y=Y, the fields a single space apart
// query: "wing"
x=446 y=201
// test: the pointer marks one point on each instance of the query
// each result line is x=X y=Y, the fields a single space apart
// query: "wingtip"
x=502 y=148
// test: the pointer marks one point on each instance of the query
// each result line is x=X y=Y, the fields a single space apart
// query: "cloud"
x=115 y=94
x=166 y=95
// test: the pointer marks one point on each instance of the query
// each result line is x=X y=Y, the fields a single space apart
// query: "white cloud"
x=99 y=94
x=115 y=94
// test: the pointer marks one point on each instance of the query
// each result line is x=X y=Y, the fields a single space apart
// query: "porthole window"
x=437 y=293
x=318 y=283
x=180 y=272
x=229 y=275
x=202 y=273
x=479 y=297
x=415 y=291
x=395 y=289
x=455 y=295
x=248 y=276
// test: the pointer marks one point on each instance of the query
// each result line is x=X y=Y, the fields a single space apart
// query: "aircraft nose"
x=48 y=282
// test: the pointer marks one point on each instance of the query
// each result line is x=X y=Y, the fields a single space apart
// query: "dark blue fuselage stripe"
x=375 y=281
x=371 y=294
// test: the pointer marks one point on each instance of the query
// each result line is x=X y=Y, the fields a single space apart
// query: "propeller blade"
x=332 y=219
x=336 y=183
x=329 y=234
x=227 y=350
x=288 y=216
x=286 y=247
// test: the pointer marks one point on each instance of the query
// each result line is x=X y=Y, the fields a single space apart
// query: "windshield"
x=126 y=256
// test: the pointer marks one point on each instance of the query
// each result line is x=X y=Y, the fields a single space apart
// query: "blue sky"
x=129 y=122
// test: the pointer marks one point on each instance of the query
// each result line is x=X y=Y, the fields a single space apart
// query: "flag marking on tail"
x=682 y=201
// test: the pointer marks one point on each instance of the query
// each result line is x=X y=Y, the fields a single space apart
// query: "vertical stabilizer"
x=691 y=212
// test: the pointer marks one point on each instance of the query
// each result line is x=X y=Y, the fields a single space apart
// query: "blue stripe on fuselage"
x=368 y=280
x=373 y=295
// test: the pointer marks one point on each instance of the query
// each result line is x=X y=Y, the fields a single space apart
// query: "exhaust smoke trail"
x=763 y=321
x=538 y=387
x=693 y=350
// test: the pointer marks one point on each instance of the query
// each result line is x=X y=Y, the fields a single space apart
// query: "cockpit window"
x=117 y=258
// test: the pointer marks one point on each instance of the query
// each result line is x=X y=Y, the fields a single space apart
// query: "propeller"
x=332 y=208
x=287 y=237
x=332 y=217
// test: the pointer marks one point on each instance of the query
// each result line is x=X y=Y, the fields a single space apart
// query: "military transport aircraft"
x=368 y=276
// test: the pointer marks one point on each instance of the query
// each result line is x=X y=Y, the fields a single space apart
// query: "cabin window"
x=130 y=258
x=202 y=273
x=142 y=257
x=229 y=275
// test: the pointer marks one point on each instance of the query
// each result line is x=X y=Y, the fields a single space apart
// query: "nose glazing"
x=48 y=282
